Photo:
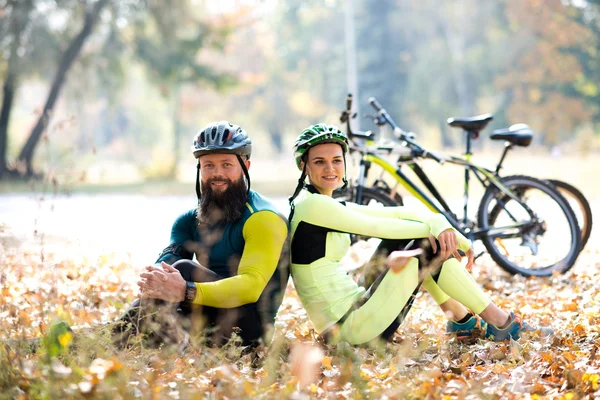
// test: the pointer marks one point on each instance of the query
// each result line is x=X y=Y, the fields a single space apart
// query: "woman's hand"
x=397 y=260
x=449 y=246
x=470 y=259
x=165 y=283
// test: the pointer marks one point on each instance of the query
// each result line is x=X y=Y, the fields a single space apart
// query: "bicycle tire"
x=571 y=192
x=385 y=188
x=529 y=236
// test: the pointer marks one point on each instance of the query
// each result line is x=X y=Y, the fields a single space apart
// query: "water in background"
x=137 y=226
x=94 y=224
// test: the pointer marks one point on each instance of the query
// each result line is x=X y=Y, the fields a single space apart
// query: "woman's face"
x=325 y=167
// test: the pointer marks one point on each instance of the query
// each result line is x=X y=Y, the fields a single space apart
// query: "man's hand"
x=165 y=283
x=398 y=259
x=449 y=246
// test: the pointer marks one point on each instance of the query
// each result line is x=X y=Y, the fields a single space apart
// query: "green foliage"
x=167 y=38
x=169 y=42
x=153 y=71
x=58 y=339
x=383 y=45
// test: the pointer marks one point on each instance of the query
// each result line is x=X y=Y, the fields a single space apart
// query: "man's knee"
x=185 y=268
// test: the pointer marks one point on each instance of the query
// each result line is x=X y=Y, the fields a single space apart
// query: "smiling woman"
x=339 y=308
x=325 y=167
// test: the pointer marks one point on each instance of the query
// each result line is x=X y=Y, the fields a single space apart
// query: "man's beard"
x=222 y=206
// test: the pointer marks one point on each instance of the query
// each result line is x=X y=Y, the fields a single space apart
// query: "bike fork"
x=468 y=155
x=363 y=170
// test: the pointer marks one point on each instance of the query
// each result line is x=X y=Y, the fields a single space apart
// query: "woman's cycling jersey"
x=321 y=228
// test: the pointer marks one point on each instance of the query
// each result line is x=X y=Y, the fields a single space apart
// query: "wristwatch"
x=190 y=292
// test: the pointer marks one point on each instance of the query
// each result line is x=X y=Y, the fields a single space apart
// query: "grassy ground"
x=38 y=288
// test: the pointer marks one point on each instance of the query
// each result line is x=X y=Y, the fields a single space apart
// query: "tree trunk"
x=7 y=100
x=455 y=41
x=66 y=62
x=456 y=48
x=176 y=93
x=447 y=141
x=19 y=20
x=351 y=65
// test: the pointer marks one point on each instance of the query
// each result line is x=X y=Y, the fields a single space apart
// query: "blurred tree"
x=310 y=41
x=383 y=53
x=290 y=74
x=17 y=15
x=169 y=45
x=524 y=61
x=165 y=37
x=101 y=73
x=454 y=62
x=587 y=85
x=541 y=77
x=91 y=16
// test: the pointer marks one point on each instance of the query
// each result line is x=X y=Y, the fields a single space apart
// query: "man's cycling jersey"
x=320 y=238
x=246 y=252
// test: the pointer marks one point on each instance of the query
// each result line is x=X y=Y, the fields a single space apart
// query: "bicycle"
x=576 y=199
x=509 y=228
x=579 y=204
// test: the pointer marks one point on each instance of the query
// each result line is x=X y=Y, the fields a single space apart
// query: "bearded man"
x=237 y=236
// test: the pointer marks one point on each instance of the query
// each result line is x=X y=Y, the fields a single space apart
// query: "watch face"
x=190 y=291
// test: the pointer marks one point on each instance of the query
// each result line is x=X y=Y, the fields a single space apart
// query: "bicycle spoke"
x=548 y=240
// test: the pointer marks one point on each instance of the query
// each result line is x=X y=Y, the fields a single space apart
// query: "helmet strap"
x=297 y=192
x=345 y=185
x=198 y=181
x=246 y=174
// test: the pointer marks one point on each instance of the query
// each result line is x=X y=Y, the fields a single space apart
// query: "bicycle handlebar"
x=349 y=103
x=347 y=115
x=363 y=135
x=373 y=101
x=404 y=136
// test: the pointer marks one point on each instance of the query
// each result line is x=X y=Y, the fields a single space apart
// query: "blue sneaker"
x=514 y=330
x=472 y=329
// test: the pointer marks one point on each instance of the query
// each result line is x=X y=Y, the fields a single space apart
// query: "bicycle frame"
x=485 y=177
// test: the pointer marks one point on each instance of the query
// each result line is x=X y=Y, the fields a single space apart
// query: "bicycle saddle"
x=474 y=124
x=518 y=134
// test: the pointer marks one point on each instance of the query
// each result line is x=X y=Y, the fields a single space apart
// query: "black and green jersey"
x=245 y=252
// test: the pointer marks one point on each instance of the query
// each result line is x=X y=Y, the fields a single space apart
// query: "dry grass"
x=38 y=288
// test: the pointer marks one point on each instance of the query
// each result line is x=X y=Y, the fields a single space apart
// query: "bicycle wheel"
x=382 y=186
x=370 y=196
x=534 y=236
x=580 y=206
x=374 y=197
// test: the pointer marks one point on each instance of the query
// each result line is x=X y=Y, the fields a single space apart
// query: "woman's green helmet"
x=318 y=134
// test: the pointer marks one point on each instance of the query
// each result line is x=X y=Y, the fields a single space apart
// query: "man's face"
x=224 y=190
x=218 y=171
